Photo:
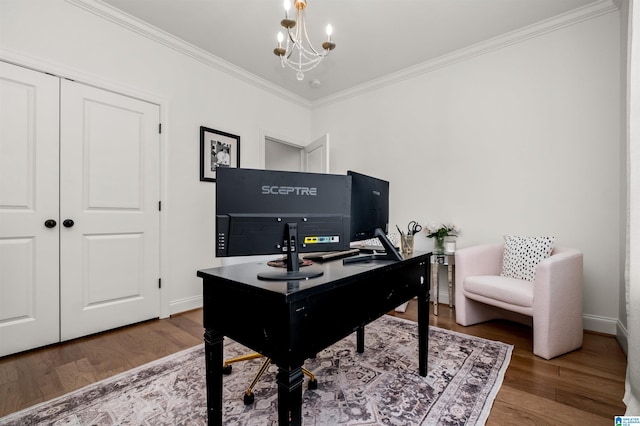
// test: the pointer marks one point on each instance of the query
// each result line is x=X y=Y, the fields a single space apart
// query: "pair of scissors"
x=414 y=227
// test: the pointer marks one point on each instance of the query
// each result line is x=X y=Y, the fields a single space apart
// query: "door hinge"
x=159 y=206
x=159 y=282
x=159 y=127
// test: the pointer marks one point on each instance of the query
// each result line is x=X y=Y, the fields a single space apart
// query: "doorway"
x=280 y=154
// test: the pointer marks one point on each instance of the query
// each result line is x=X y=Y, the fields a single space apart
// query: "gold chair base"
x=248 y=396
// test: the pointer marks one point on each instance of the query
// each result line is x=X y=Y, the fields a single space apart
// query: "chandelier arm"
x=299 y=24
x=299 y=63
x=311 y=54
x=306 y=36
x=292 y=37
x=305 y=60
x=309 y=58
x=290 y=52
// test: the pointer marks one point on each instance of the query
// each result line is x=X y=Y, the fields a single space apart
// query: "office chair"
x=248 y=397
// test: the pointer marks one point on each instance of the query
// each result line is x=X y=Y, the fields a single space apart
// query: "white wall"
x=58 y=37
x=524 y=139
x=520 y=140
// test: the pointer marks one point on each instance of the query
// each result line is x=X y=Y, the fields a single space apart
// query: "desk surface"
x=335 y=272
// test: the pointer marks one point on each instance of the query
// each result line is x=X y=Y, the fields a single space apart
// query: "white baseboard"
x=600 y=324
x=187 y=304
x=444 y=296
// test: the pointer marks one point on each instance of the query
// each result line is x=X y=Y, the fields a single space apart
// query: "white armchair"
x=552 y=303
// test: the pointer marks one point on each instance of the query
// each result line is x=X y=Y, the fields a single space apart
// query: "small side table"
x=448 y=260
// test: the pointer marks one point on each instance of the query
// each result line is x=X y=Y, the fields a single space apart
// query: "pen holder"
x=406 y=243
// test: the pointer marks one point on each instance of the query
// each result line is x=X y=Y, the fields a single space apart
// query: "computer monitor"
x=278 y=212
x=370 y=215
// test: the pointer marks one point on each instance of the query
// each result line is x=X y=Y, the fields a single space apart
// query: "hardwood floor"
x=584 y=387
x=579 y=388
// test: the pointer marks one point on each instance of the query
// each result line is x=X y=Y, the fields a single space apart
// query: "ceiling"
x=374 y=38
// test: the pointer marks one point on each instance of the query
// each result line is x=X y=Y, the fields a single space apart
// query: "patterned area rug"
x=379 y=387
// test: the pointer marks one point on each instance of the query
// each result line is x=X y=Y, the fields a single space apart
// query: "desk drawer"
x=333 y=315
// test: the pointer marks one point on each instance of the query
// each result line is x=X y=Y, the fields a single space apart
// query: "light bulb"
x=280 y=38
x=287 y=6
x=329 y=31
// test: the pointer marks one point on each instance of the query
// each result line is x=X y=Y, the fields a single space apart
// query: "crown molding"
x=590 y=11
x=142 y=28
x=105 y=11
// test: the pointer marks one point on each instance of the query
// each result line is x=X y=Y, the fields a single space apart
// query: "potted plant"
x=439 y=232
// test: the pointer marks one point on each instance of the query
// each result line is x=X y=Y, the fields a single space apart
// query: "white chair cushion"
x=522 y=255
x=506 y=289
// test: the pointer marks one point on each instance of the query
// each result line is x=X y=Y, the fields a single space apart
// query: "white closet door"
x=29 y=308
x=109 y=188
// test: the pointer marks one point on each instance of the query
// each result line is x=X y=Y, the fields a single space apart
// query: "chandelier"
x=298 y=53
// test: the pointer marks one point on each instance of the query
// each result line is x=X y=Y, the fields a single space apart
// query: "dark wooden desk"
x=292 y=321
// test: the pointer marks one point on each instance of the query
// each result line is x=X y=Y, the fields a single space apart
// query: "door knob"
x=50 y=223
x=68 y=223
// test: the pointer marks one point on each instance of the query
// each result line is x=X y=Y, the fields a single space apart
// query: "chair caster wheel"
x=226 y=370
x=313 y=384
x=248 y=398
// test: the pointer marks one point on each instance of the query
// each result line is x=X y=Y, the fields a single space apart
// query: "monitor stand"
x=293 y=271
x=391 y=253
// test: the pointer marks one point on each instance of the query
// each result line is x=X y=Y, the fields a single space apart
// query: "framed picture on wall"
x=217 y=149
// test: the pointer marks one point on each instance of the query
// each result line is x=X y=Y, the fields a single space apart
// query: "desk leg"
x=360 y=339
x=213 y=367
x=435 y=284
x=423 y=332
x=289 y=396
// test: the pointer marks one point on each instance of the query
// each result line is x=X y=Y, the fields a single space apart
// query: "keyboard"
x=331 y=255
x=374 y=245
